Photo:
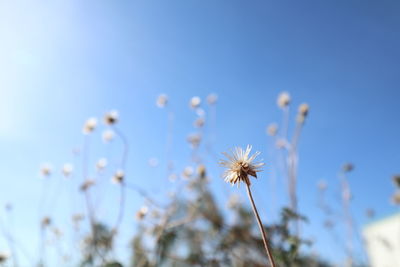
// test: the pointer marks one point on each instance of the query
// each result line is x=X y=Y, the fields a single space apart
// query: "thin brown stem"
x=260 y=225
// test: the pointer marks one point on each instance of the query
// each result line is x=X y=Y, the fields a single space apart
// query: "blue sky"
x=64 y=61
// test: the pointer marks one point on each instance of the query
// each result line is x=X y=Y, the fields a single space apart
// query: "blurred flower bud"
x=101 y=164
x=45 y=170
x=199 y=122
x=200 y=112
x=4 y=257
x=187 y=172
x=322 y=185
x=172 y=177
x=111 y=117
x=67 y=169
x=370 y=213
x=272 y=129
x=303 y=109
x=194 y=140
x=87 y=184
x=396 y=180
x=162 y=101
x=195 y=102
x=153 y=162
x=396 y=198
x=201 y=171
x=212 y=99
x=46 y=221
x=283 y=100
x=141 y=213
x=108 y=136
x=89 y=125
x=118 y=177
x=302 y=114
x=348 y=167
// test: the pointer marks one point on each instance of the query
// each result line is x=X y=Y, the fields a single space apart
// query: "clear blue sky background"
x=63 y=61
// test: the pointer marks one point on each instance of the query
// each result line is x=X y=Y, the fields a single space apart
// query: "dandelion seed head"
x=118 y=177
x=240 y=165
x=101 y=164
x=283 y=100
x=212 y=99
x=108 y=136
x=162 y=101
x=111 y=117
x=67 y=169
x=195 y=102
x=90 y=125
x=272 y=129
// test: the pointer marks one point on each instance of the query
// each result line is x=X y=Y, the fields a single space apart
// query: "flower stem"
x=264 y=235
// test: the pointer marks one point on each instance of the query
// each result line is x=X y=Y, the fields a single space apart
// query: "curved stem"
x=126 y=146
x=121 y=207
x=260 y=225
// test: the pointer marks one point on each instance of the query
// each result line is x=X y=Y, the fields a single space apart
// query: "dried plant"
x=239 y=167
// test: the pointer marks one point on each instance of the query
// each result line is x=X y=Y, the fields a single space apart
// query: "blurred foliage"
x=193 y=231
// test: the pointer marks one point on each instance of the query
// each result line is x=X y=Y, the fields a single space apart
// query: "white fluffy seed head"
x=283 y=100
x=195 y=102
x=272 y=129
x=162 y=101
x=141 y=213
x=101 y=164
x=67 y=169
x=45 y=170
x=108 y=136
x=90 y=125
